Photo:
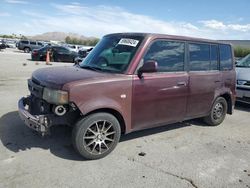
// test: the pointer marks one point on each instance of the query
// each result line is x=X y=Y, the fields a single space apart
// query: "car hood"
x=56 y=77
x=243 y=73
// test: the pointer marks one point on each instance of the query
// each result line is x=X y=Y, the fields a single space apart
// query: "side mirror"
x=149 y=66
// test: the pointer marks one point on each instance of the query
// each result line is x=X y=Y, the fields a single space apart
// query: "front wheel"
x=96 y=135
x=217 y=113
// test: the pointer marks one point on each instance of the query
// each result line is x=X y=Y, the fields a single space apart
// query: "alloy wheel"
x=99 y=137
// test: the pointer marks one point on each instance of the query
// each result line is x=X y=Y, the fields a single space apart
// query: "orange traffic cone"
x=48 y=58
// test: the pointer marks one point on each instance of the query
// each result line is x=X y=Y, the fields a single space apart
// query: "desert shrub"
x=241 y=52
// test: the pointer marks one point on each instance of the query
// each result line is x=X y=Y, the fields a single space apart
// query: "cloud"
x=218 y=25
x=16 y=1
x=33 y=14
x=214 y=24
x=100 y=20
x=4 y=14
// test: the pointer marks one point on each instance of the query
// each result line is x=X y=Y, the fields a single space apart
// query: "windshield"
x=245 y=62
x=113 y=53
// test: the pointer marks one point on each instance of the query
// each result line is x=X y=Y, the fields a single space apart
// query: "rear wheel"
x=26 y=50
x=96 y=135
x=217 y=113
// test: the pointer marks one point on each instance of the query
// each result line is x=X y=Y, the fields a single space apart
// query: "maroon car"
x=129 y=82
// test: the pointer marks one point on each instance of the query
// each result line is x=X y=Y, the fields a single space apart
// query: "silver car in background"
x=243 y=80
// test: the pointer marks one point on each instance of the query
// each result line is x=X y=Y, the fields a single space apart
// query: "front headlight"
x=55 y=96
x=241 y=82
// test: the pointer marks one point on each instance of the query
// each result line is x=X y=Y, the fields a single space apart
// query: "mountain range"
x=58 y=36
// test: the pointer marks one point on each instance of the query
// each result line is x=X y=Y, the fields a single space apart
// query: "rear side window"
x=33 y=43
x=39 y=43
x=25 y=42
x=61 y=50
x=168 y=54
x=226 y=62
x=199 y=57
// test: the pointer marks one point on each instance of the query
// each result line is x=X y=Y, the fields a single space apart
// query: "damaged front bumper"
x=39 y=123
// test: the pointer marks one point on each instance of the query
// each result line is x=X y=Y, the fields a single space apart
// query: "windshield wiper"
x=94 y=68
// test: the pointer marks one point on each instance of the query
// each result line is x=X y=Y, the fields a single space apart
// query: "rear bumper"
x=243 y=95
x=34 y=58
x=38 y=123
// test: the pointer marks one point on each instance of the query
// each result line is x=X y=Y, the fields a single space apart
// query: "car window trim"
x=217 y=51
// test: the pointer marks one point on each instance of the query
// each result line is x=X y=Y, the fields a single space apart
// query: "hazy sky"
x=215 y=19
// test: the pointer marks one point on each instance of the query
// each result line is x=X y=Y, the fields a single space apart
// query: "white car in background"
x=10 y=43
x=243 y=80
x=73 y=47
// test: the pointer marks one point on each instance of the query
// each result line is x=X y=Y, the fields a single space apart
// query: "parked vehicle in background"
x=2 y=45
x=237 y=59
x=129 y=82
x=243 y=80
x=72 y=47
x=59 y=54
x=28 y=45
x=81 y=55
x=40 y=54
x=10 y=43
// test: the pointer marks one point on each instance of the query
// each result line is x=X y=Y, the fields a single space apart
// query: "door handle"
x=181 y=83
x=217 y=81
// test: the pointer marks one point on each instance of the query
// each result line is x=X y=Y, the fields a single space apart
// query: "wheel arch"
x=115 y=113
x=228 y=98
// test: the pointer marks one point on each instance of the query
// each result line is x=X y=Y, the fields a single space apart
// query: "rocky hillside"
x=58 y=36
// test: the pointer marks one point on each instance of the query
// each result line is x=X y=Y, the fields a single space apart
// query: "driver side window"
x=169 y=55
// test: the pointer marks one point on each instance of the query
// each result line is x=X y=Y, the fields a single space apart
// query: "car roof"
x=171 y=37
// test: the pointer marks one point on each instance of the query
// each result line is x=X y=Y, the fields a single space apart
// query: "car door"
x=33 y=45
x=161 y=97
x=205 y=78
x=66 y=55
x=61 y=54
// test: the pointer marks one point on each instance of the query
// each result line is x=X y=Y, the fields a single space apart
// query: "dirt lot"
x=188 y=154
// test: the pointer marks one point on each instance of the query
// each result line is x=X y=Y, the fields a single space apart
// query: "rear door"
x=205 y=78
x=161 y=97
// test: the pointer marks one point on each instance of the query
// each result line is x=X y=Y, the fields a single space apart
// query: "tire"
x=217 y=113
x=96 y=135
x=26 y=50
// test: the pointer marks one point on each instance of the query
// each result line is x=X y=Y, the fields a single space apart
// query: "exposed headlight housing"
x=241 y=82
x=55 y=96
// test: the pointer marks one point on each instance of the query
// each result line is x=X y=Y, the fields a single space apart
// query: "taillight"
x=35 y=52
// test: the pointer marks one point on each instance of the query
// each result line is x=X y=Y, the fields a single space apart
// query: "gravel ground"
x=188 y=154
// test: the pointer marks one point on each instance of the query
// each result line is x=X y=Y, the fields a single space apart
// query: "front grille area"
x=35 y=81
x=35 y=89
x=38 y=106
